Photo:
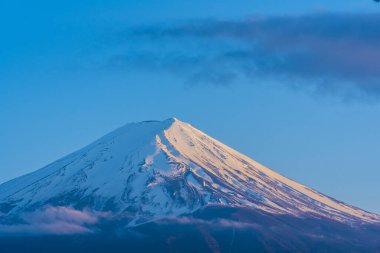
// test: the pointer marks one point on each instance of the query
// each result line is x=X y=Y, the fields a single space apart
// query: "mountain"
x=154 y=169
x=168 y=187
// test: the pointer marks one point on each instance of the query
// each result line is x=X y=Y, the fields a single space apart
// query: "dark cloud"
x=54 y=220
x=330 y=52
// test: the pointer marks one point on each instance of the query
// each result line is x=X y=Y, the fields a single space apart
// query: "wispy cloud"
x=54 y=220
x=331 y=52
x=216 y=223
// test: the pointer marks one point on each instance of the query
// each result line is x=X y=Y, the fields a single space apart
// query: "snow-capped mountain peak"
x=161 y=168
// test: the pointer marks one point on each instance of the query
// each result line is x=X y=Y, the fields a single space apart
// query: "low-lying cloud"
x=330 y=52
x=54 y=221
x=216 y=223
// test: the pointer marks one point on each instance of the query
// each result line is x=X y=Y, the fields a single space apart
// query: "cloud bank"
x=337 y=53
x=54 y=221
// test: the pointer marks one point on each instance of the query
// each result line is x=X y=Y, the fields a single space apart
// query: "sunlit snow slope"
x=154 y=169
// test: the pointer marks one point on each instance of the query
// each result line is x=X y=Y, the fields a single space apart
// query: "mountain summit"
x=157 y=169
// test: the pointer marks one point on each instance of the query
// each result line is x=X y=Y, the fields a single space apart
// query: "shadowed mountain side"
x=213 y=229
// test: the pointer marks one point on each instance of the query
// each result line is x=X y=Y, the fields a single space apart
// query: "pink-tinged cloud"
x=55 y=221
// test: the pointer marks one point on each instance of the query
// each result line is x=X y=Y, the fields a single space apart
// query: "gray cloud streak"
x=331 y=52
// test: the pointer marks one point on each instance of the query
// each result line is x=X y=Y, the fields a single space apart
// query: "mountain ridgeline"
x=167 y=175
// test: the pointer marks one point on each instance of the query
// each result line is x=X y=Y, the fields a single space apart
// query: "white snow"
x=164 y=168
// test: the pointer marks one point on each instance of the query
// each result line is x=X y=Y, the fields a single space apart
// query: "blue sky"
x=292 y=84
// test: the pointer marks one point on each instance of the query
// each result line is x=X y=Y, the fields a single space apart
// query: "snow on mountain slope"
x=154 y=169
